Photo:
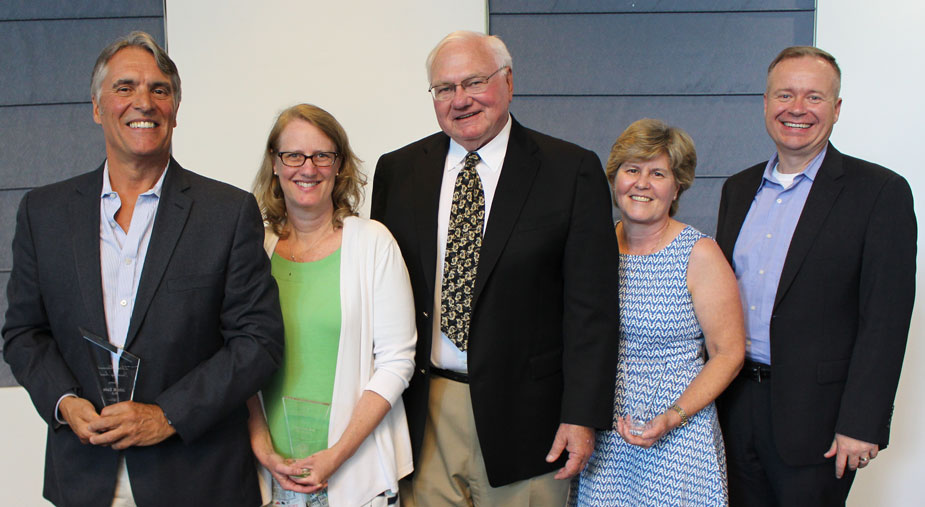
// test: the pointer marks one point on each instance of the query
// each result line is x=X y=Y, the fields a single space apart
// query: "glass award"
x=306 y=430
x=642 y=399
x=306 y=425
x=116 y=369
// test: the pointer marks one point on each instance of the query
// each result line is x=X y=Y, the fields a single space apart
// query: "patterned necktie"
x=463 y=241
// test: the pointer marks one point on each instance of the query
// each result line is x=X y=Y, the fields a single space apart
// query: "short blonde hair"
x=646 y=139
x=348 y=182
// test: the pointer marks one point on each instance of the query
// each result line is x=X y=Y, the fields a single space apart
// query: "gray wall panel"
x=647 y=54
x=9 y=203
x=700 y=203
x=6 y=376
x=51 y=61
x=597 y=6
x=718 y=124
x=44 y=144
x=58 y=9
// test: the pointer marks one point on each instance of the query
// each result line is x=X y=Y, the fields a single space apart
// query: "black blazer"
x=544 y=329
x=843 y=305
x=206 y=325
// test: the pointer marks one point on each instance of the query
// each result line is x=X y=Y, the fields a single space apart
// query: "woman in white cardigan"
x=361 y=358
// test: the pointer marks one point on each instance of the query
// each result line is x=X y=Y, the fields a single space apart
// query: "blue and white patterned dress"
x=661 y=351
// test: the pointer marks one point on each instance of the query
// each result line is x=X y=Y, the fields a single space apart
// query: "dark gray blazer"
x=206 y=325
x=843 y=305
x=544 y=330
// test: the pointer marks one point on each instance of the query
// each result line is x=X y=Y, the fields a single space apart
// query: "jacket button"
x=426 y=315
x=423 y=371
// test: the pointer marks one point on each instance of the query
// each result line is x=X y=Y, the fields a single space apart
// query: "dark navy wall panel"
x=6 y=377
x=647 y=54
x=48 y=62
x=9 y=203
x=698 y=205
x=60 y=9
x=713 y=122
x=597 y=6
x=585 y=69
x=42 y=144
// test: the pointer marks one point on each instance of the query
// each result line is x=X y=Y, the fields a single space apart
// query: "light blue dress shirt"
x=761 y=249
x=122 y=255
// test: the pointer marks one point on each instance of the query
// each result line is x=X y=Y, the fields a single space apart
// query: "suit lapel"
x=517 y=175
x=428 y=177
x=819 y=203
x=172 y=212
x=84 y=213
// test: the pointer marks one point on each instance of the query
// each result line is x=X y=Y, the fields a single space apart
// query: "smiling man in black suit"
x=509 y=241
x=823 y=246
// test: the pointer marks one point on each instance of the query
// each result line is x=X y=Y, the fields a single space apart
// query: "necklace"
x=653 y=246
x=292 y=241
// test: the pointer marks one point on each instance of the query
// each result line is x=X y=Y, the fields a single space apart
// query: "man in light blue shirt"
x=823 y=247
x=162 y=264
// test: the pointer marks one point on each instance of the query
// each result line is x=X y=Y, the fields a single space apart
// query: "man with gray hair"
x=823 y=248
x=509 y=241
x=142 y=314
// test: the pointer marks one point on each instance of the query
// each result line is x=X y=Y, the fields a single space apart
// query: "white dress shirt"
x=444 y=353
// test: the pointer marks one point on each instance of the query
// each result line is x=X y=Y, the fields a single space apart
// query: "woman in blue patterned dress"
x=678 y=296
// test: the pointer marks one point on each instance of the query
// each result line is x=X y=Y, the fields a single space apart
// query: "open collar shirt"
x=122 y=254
x=761 y=249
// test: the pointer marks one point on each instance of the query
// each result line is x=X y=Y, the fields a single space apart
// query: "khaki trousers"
x=451 y=470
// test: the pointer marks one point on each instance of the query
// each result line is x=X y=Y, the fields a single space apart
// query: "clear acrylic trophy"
x=305 y=423
x=116 y=369
x=642 y=401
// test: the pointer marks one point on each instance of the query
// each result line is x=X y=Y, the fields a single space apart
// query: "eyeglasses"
x=296 y=159
x=475 y=84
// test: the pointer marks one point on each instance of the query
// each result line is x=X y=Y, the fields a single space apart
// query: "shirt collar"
x=155 y=190
x=492 y=154
x=809 y=173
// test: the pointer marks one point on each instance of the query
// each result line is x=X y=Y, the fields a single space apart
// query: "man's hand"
x=128 y=424
x=851 y=452
x=79 y=414
x=579 y=442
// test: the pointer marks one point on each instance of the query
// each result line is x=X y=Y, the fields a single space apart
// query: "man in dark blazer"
x=489 y=419
x=168 y=266
x=823 y=246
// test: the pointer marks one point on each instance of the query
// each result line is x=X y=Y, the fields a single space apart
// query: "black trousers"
x=758 y=477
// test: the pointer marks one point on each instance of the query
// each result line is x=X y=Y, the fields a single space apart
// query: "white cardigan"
x=375 y=353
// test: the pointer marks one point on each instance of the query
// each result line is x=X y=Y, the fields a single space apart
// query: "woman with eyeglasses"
x=331 y=428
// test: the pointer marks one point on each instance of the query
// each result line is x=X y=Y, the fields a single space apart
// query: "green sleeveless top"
x=297 y=399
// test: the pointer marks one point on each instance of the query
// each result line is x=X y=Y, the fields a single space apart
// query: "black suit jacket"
x=544 y=329
x=206 y=325
x=843 y=305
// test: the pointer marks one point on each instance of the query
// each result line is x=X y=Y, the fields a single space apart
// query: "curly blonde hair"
x=348 y=182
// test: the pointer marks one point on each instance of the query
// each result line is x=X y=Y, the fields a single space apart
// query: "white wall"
x=229 y=58
x=879 y=47
x=363 y=61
